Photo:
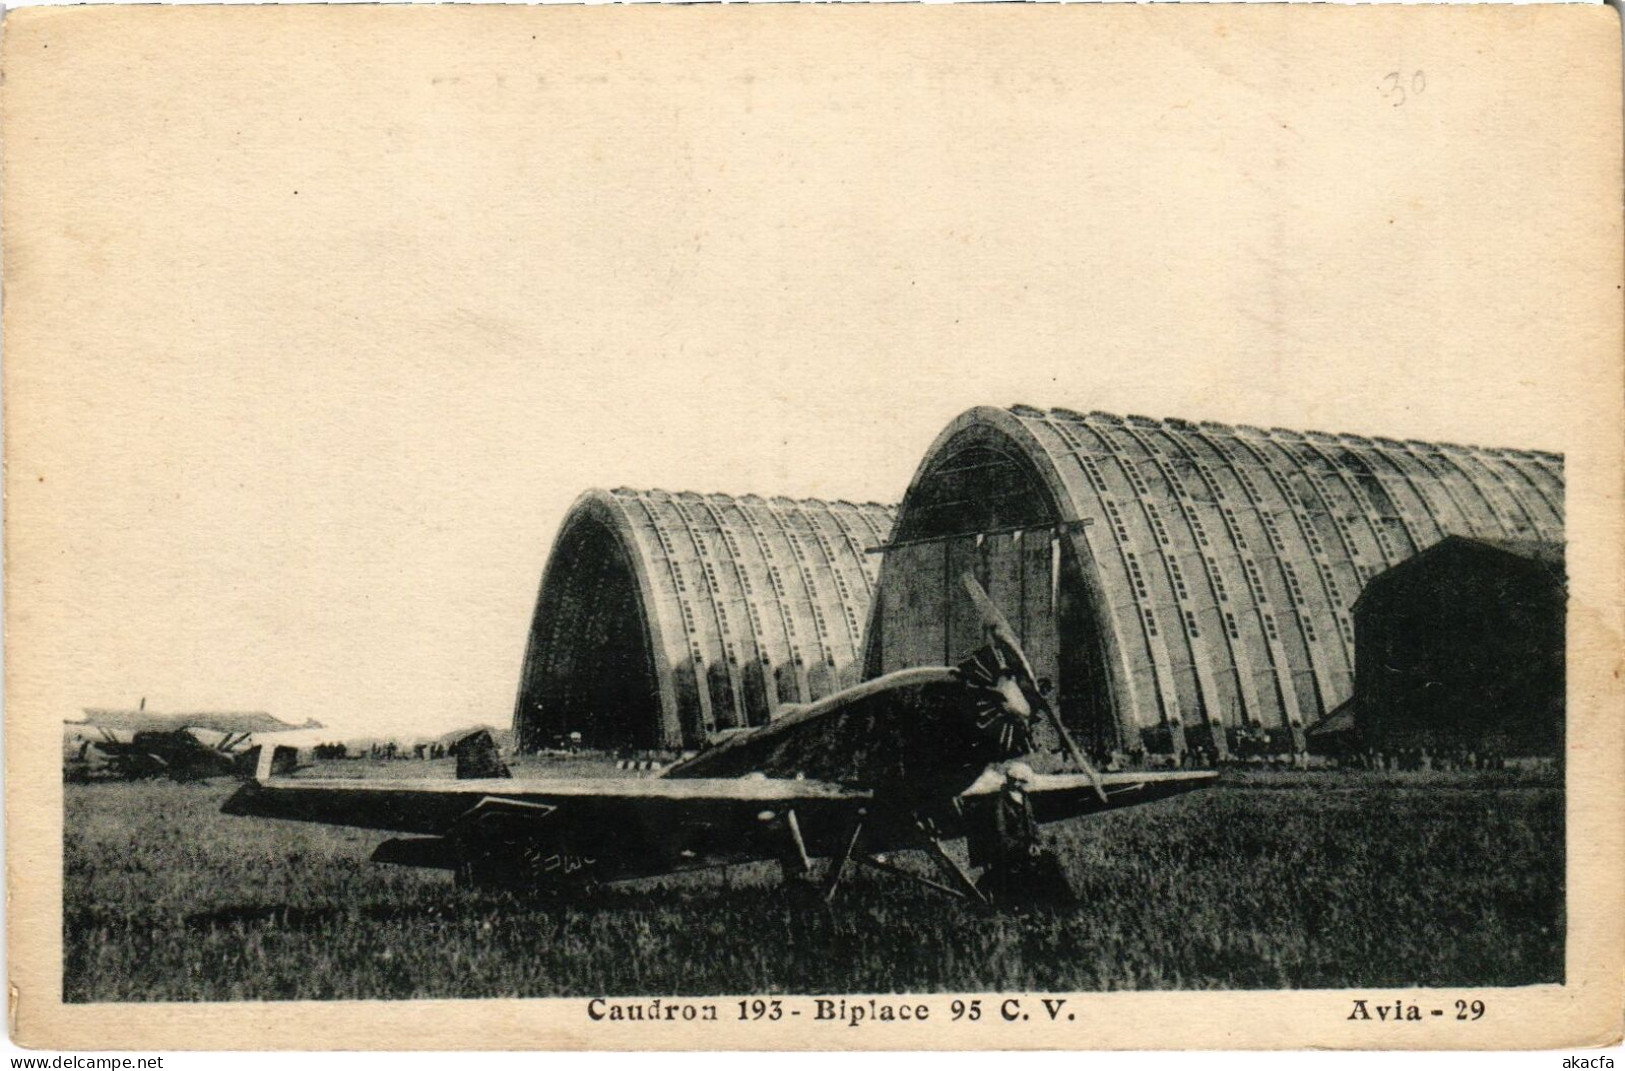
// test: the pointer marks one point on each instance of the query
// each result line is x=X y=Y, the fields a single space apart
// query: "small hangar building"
x=1460 y=648
x=665 y=618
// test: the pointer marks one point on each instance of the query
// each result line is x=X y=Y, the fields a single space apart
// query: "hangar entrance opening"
x=596 y=674
x=983 y=509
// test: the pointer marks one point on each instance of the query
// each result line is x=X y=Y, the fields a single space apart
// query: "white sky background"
x=343 y=347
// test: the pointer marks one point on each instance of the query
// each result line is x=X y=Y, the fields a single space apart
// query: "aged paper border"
x=1586 y=1010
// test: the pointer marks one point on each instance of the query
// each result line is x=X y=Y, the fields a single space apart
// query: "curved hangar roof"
x=1182 y=585
x=666 y=618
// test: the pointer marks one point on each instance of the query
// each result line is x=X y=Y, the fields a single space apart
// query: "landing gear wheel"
x=1036 y=879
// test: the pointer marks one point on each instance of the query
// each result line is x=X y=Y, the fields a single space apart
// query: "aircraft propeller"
x=1004 y=641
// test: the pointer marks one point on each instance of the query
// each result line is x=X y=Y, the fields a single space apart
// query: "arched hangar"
x=664 y=619
x=1180 y=585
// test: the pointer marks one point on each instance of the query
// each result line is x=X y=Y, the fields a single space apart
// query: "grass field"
x=1334 y=879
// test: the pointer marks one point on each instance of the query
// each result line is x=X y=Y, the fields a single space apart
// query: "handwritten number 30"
x=1394 y=85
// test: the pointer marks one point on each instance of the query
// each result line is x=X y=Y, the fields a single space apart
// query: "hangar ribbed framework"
x=666 y=618
x=1181 y=584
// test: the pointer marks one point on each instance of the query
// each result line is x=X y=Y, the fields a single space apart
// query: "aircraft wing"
x=631 y=825
x=634 y=826
x=1057 y=797
x=434 y=807
x=142 y=721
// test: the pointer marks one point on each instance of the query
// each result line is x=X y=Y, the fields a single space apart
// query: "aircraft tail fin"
x=266 y=764
x=262 y=761
x=478 y=757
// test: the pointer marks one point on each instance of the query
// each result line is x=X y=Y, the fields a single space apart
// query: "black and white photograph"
x=813 y=527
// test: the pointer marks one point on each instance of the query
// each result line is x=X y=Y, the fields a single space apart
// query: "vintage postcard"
x=779 y=527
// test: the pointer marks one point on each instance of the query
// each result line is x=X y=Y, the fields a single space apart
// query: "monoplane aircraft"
x=175 y=753
x=910 y=760
x=132 y=745
x=189 y=754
